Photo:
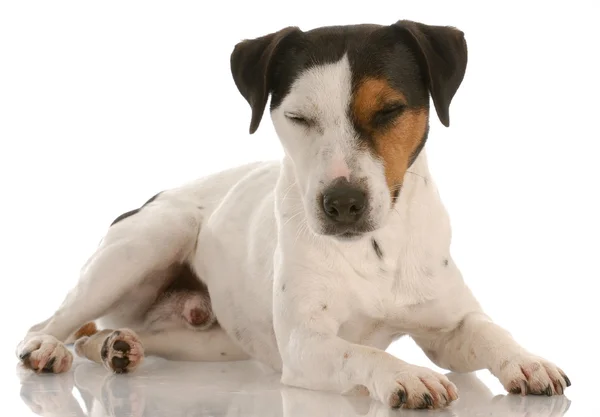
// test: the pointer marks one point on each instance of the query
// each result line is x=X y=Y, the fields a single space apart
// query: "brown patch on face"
x=395 y=141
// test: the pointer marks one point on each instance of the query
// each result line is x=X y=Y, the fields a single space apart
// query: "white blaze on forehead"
x=323 y=93
x=338 y=167
x=324 y=89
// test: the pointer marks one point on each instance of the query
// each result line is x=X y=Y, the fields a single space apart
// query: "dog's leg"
x=307 y=321
x=212 y=345
x=123 y=350
x=478 y=343
x=150 y=240
x=120 y=351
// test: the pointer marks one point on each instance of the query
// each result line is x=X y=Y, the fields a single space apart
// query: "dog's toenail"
x=428 y=400
x=515 y=390
x=402 y=396
x=119 y=363
x=122 y=346
x=567 y=380
x=26 y=355
x=49 y=365
x=548 y=391
x=401 y=399
x=104 y=350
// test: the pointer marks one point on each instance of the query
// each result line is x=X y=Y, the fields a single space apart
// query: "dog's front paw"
x=416 y=387
x=528 y=374
x=122 y=351
x=45 y=353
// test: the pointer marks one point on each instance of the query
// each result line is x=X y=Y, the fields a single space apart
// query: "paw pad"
x=122 y=351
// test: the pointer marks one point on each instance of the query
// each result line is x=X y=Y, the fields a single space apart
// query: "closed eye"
x=388 y=114
x=299 y=119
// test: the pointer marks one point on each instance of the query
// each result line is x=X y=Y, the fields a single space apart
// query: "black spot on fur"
x=135 y=211
x=396 y=194
x=445 y=262
x=377 y=249
x=324 y=307
x=223 y=354
x=238 y=334
x=283 y=288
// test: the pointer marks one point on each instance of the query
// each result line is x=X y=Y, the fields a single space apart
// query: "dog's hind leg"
x=123 y=350
x=158 y=236
x=212 y=345
x=120 y=351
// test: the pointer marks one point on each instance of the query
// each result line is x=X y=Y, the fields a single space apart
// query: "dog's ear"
x=442 y=53
x=251 y=67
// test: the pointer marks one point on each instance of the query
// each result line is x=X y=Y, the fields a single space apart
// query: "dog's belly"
x=234 y=257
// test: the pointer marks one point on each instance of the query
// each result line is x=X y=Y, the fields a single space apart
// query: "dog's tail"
x=87 y=329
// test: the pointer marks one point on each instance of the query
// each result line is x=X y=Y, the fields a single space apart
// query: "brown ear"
x=251 y=66
x=443 y=56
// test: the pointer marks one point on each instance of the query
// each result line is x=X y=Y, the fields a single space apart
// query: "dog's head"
x=350 y=105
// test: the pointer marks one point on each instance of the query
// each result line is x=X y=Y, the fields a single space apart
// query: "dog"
x=315 y=264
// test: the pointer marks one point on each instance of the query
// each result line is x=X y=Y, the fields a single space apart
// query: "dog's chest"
x=397 y=283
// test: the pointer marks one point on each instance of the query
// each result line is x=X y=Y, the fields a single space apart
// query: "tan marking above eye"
x=396 y=142
x=372 y=96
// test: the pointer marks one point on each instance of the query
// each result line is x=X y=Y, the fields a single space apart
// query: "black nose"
x=344 y=203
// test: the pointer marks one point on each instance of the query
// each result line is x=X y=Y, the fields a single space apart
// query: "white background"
x=103 y=104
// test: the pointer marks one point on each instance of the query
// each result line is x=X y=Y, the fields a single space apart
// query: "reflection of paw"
x=120 y=397
x=44 y=353
x=415 y=387
x=122 y=351
x=48 y=395
x=529 y=374
x=514 y=405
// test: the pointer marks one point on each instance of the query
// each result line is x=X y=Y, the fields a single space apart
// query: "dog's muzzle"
x=344 y=206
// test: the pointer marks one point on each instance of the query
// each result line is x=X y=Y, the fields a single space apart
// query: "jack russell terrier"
x=315 y=264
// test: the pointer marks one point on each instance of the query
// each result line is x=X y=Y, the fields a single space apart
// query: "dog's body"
x=314 y=264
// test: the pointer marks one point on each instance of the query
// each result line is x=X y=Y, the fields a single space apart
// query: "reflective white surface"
x=103 y=104
x=165 y=388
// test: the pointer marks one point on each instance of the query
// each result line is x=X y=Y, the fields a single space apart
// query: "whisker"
x=418 y=175
x=288 y=190
x=293 y=217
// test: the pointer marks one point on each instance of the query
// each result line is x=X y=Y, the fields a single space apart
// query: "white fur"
x=320 y=310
